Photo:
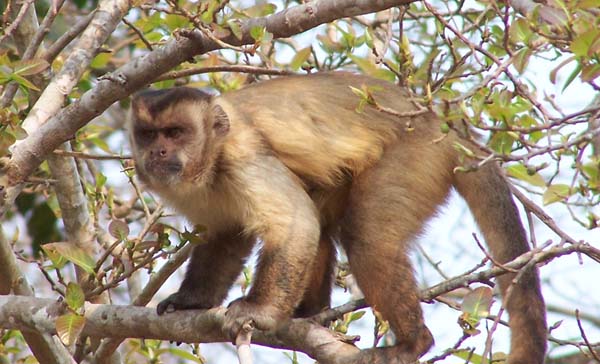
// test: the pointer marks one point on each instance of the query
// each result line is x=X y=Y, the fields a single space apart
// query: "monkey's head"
x=175 y=136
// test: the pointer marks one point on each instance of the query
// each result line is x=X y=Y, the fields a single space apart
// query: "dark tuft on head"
x=158 y=100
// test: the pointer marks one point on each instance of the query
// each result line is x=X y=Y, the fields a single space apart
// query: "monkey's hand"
x=182 y=301
x=240 y=311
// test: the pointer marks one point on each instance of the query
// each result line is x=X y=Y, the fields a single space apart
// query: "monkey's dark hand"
x=240 y=311
x=182 y=301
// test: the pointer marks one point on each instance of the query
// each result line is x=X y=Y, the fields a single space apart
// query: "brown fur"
x=291 y=161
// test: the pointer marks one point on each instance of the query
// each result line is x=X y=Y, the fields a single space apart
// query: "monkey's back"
x=327 y=141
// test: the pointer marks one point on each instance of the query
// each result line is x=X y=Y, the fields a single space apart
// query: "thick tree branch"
x=26 y=313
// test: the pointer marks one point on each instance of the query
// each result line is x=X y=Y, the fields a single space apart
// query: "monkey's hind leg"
x=387 y=208
x=212 y=269
x=317 y=295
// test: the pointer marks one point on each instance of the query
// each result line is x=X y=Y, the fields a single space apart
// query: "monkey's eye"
x=173 y=133
x=146 y=134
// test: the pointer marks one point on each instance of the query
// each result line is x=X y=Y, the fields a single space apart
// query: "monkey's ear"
x=221 y=120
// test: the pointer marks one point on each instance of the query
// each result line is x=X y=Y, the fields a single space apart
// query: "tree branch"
x=27 y=313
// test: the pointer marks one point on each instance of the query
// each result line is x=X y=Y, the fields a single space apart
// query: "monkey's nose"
x=159 y=153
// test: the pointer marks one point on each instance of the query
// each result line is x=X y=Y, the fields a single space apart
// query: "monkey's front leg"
x=279 y=284
x=212 y=269
x=285 y=219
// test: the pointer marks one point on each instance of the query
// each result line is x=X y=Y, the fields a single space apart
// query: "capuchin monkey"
x=295 y=163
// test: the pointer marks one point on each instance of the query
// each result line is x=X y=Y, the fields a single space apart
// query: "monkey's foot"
x=240 y=311
x=181 y=301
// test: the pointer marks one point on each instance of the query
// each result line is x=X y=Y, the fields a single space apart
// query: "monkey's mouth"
x=163 y=168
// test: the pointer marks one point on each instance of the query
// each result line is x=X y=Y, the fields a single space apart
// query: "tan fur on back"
x=322 y=149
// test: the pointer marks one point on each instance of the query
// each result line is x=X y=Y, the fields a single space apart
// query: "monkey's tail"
x=489 y=198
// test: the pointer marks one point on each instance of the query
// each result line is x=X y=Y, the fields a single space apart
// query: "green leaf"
x=371 y=69
x=260 y=10
x=444 y=128
x=207 y=15
x=73 y=253
x=368 y=36
x=58 y=261
x=465 y=354
x=555 y=193
x=582 y=45
x=235 y=27
x=521 y=172
x=75 y=297
x=300 y=57
x=521 y=59
x=100 y=143
x=185 y=355
x=257 y=33
x=592 y=172
x=174 y=21
x=573 y=75
x=6 y=140
x=502 y=142
x=68 y=327
x=329 y=45
x=100 y=180
x=520 y=31
x=470 y=357
x=101 y=60
x=192 y=237
x=355 y=316
x=23 y=82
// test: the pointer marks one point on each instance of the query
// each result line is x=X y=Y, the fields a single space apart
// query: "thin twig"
x=229 y=68
x=242 y=343
x=54 y=50
x=18 y=19
x=585 y=339
x=82 y=155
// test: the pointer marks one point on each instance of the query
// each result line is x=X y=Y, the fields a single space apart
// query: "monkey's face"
x=175 y=134
x=161 y=156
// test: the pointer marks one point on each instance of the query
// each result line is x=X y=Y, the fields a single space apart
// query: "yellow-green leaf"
x=521 y=172
x=260 y=10
x=23 y=82
x=68 y=327
x=257 y=33
x=236 y=28
x=72 y=253
x=75 y=297
x=31 y=67
x=58 y=261
x=477 y=303
x=300 y=57
x=555 y=193
x=185 y=355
